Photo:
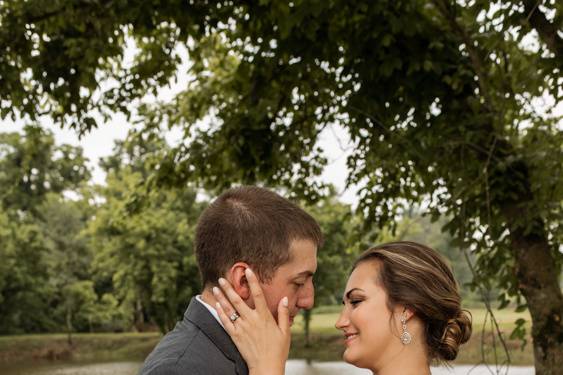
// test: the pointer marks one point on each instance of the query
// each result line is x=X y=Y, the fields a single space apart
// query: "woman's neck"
x=405 y=368
x=409 y=360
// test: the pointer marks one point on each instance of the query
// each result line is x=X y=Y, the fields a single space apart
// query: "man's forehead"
x=302 y=248
x=302 y=259
x=295 y=269
x=305 y=268
x=305 y=274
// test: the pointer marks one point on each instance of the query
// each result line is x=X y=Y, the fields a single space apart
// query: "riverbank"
x=85 y=347
x=325 y=344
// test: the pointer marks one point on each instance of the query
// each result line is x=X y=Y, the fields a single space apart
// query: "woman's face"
x=366 y=321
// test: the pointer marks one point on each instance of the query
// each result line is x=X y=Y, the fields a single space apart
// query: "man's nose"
x=306 y=299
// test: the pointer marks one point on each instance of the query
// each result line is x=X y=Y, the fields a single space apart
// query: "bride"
x=401 y=311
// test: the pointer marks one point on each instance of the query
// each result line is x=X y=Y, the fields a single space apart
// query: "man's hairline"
x=277 y=267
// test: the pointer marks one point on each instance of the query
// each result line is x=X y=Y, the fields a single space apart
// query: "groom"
x=244 y=227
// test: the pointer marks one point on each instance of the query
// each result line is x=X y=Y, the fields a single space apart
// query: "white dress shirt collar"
x=210 y=308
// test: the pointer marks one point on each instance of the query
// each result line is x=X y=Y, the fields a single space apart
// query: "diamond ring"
x=234 y=316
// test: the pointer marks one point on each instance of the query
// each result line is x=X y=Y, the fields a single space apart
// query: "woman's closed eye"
x=353 y=302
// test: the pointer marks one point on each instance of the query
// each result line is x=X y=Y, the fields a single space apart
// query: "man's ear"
x=238 y=279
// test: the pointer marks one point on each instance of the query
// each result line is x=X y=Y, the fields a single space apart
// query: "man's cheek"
x=272 y=306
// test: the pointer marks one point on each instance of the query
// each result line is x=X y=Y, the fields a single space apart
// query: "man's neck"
x=208 y=297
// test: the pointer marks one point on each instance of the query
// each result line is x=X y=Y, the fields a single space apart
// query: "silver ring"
x=234 y=316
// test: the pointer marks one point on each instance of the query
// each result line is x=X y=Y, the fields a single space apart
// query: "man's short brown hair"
x=253 y=225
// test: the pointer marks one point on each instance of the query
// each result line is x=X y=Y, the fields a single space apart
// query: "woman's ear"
x=404 y=313
x=237 y=278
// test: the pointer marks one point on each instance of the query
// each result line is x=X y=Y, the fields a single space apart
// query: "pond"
x=294 y=367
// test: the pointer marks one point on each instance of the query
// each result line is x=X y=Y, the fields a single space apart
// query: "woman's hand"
x=263 y=343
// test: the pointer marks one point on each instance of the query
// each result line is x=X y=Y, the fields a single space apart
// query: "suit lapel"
x=202 y=318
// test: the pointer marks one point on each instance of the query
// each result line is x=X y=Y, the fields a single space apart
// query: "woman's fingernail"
x=215 y=290
x=248 y=272
x=218 y=305
x=284 y=302
x=222 y=281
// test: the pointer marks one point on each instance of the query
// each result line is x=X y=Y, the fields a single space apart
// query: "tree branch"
x=546 y=30
x=448 y=12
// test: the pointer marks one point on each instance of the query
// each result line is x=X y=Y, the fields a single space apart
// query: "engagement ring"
x=234 y=316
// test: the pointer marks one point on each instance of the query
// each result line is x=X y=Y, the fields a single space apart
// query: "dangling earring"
x=406 y=337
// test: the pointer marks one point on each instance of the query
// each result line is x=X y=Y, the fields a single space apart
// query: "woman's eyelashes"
x=355 y=302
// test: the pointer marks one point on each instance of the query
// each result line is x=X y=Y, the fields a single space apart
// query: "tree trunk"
x=306 y=327
x=69 y=326
x=536 y=272
x=139 y=317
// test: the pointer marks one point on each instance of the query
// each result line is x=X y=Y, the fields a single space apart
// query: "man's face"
x=293 y=280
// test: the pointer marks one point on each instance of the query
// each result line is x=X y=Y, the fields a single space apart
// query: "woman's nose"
x=342 y=320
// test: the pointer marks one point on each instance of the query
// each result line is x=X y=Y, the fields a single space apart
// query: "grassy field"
x=325 y=344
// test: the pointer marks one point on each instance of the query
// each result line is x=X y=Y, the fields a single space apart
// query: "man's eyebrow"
x=304 y=274
x=347 y=295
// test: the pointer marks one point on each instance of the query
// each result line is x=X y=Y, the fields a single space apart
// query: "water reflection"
x=111 y=368
x=294 y=367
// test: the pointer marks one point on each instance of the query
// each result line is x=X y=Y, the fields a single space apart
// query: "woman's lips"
x=349 y=337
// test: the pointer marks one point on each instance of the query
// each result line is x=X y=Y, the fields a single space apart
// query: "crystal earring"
x=406 y=337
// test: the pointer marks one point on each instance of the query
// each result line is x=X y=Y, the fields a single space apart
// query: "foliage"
x=145 y=250
x=77 y=305
x=24 y=288
x=53 y=54
x=142 y=240
x=32 y=170
x=31 y=166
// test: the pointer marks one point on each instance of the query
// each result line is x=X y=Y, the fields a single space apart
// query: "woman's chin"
x=348 y=357
x=354 y=360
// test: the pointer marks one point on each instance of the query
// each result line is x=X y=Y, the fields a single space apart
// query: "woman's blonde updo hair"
x=417 y=277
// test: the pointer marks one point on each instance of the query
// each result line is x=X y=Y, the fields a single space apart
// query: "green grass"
x=325 y=344
x=85 y=346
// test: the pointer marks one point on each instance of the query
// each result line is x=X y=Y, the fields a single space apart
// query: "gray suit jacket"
x=198 y=345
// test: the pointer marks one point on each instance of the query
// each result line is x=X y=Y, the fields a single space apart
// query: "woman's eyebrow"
x=347 y=295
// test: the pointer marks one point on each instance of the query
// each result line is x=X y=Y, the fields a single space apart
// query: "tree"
x=32 y=168
x=144 y=240
x=78 y=303
x=69 y=262
x=438 y=97
x=24 y=286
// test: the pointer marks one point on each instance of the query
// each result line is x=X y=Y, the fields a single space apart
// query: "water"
x=294 y=367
